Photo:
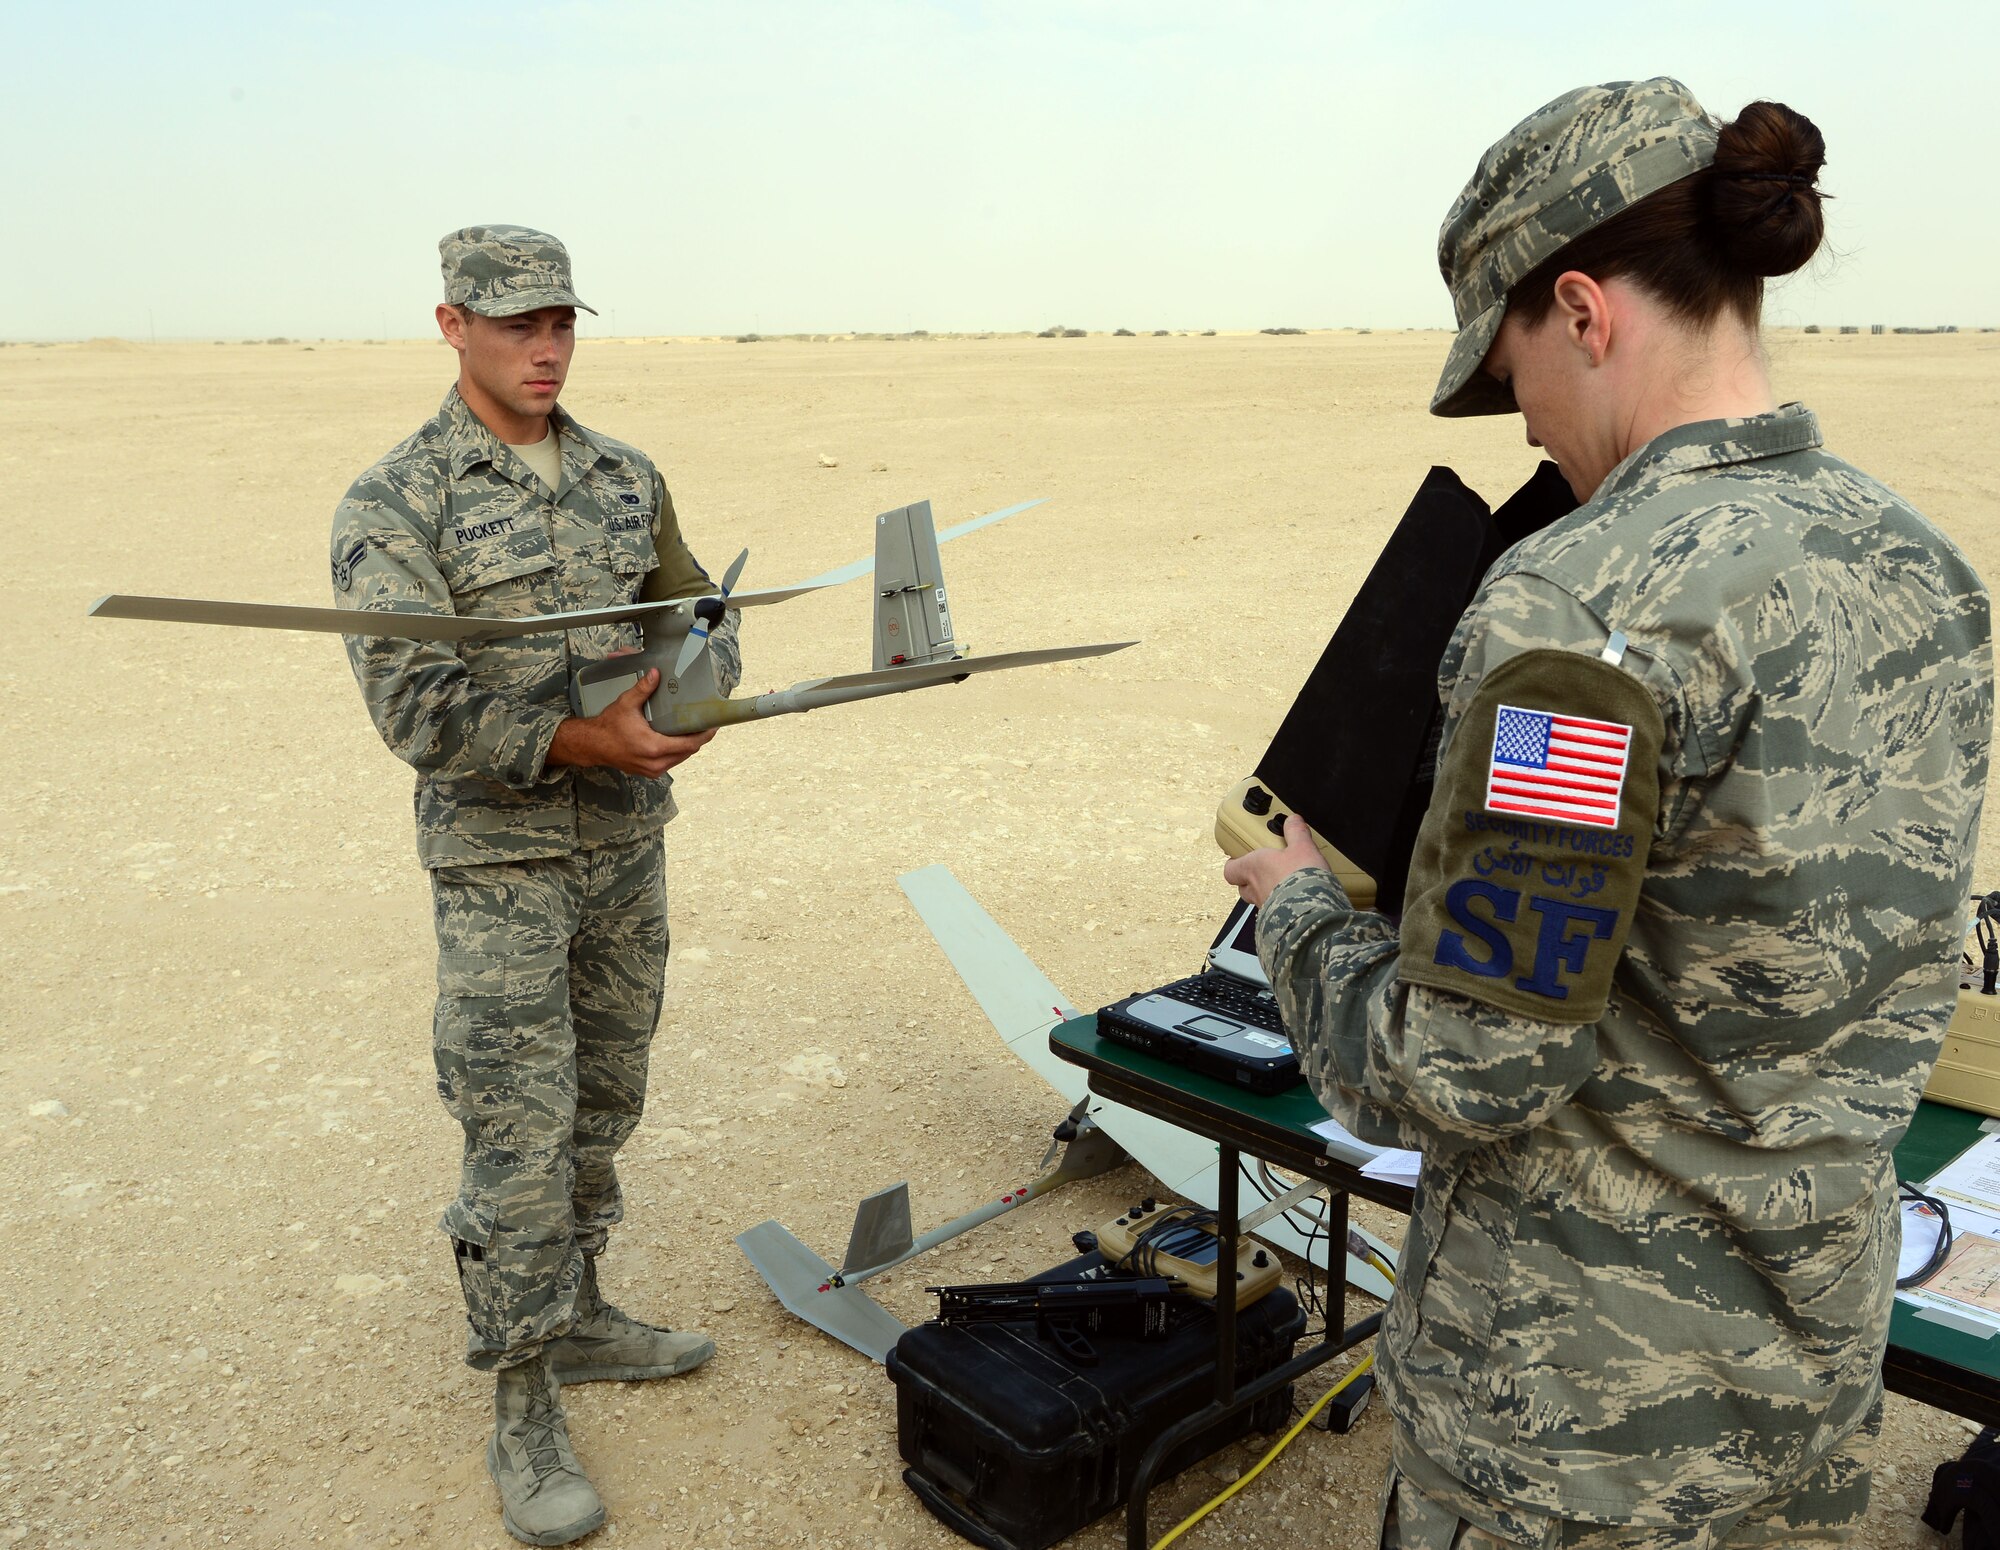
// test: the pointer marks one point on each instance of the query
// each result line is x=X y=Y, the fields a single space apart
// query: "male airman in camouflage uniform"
x=1655 y=1031
x=541 y=831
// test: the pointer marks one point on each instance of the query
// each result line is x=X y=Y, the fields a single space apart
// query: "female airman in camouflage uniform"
x=1684 y=912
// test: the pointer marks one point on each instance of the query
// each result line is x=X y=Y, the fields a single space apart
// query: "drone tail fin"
x=881 y=1230
x=912 y=616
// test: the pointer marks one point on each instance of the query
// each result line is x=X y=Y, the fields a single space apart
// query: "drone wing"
x=406 y=625
x=916 y=674
x=394 y=624
x=684 y=716
x=766 y=595
x=859 y=568
x=418 y=625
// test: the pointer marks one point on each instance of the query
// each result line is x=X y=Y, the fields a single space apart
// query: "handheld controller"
x=1175 y=1241
x=1252 y=817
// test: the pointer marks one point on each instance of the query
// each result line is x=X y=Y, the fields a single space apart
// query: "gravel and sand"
x=232 y=1317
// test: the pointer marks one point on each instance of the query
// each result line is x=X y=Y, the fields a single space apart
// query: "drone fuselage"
x=912 y=631
x=595 y=685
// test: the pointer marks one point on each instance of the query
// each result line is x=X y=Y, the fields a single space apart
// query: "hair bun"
x=1765 y=208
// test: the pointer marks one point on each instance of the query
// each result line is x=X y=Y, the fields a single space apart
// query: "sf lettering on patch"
x=1548 y=765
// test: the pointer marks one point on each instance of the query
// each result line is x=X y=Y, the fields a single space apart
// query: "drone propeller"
x=706 y=611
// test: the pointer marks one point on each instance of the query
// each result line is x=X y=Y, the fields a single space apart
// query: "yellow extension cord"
x=1281 y=1444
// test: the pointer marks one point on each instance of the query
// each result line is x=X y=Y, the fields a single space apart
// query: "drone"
x=914 y=645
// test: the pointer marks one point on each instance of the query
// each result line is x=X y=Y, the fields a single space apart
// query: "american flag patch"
x=1553 y=766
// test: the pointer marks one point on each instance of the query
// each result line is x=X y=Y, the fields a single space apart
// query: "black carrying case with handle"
x=1014 y=1445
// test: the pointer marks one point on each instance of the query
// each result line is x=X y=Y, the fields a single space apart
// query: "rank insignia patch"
x=1548 y=765
x=343 y=565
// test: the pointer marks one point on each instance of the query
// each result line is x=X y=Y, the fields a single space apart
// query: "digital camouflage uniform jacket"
x=1656 y=1061
x=453 y=521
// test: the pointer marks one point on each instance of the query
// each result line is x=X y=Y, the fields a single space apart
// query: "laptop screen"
x=1235 y=948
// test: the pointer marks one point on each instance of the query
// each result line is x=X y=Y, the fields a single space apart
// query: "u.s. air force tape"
x=1528 y=865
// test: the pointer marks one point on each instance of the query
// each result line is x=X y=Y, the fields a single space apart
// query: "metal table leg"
x=1228 y=1398
x=1228 y=1218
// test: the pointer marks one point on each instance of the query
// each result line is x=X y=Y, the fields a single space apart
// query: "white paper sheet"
x=1333 y=1130
x=1395 y=1167
x=1920 y=1232
x=1390 y=1165
x=1972 y=1178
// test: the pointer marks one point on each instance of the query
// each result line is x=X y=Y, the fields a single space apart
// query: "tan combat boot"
x=544 y=1497
x=606 y=1346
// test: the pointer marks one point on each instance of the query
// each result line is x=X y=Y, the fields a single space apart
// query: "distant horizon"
x=837 y=336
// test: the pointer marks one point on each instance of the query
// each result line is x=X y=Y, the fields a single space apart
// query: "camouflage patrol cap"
x=1563 y=169
x=503 y=271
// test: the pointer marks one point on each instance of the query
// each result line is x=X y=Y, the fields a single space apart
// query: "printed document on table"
x=1965 y=1291
x=1391 y=1165
x=1972 y=1273
x=1972 y=1178
x=1395 y=1167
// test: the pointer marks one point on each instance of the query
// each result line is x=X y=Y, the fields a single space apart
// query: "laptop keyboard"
x=1228 y=997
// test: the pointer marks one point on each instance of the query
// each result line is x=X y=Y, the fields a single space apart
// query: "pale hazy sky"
x=246 y=170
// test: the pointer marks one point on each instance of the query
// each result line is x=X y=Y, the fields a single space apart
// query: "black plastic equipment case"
x=1015 y=1446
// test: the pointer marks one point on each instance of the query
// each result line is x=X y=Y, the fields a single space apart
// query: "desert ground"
x=221 y=1154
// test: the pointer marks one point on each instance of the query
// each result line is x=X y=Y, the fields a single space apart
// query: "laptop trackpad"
x=1173 y=1016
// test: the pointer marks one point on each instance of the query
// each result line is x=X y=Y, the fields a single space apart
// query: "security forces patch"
x=344 y=564
x=1528 y=865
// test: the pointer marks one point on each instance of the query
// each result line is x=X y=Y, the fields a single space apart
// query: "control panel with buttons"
x=1180 y=1242
x=1252 y=817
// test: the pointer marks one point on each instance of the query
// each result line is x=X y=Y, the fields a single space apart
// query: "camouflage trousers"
x=550 y=976
x=1823 y=1508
